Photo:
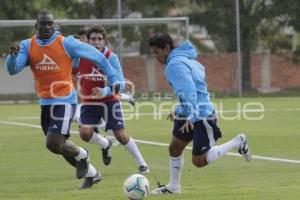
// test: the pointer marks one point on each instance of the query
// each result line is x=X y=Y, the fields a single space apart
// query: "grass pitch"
x=29 y=171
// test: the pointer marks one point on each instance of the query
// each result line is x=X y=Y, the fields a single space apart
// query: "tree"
x=84 y=9
x=148 y=8
x=290 y=18
x=218 y=17
x=15 y=9
x=87 y=9
x=108 y=9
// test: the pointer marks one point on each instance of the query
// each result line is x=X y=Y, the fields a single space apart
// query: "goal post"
x=138 y=64
x=87 y=22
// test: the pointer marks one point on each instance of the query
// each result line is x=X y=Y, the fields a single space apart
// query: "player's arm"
x=180 y=78
x=114 y=61
x=17 y=59
x=119 y=86
x=75 y=65
x=77 y=49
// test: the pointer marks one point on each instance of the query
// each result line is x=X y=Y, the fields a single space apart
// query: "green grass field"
x=29 y=171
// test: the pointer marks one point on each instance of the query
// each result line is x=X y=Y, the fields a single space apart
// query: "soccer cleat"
x=82 y=166
x=244 y=149
x=112 y=139
x=106 y=155
x=162 y=189
x=144 y=169
x=90 y=181
x=102 y=124
x=131 y=101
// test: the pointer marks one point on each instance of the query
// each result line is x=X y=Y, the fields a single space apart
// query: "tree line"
x=262 y=22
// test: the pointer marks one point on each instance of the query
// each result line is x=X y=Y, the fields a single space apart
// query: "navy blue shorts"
x=204 y=136
x=111 y=112
x=57 y=118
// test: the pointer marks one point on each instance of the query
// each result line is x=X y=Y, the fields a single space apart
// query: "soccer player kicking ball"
x=194 y=118
x=96 y=108
x=50 y=56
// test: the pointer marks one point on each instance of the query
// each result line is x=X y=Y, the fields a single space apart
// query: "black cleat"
x=90 y=181
x=144 y=169
x=106 y=155
x=82 y=166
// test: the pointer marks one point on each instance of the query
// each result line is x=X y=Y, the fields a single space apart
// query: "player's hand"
x=14 y=49
x=97 y=93
x=186 y=127
x=171 y=116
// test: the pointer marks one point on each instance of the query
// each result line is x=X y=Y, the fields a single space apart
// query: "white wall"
x=21 y=83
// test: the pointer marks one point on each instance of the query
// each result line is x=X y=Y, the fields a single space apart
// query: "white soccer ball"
x=136 y=187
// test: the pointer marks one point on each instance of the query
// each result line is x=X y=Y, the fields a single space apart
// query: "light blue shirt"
x=187 y=78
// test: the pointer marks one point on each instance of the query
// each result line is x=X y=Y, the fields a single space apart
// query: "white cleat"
x=112 y=140
x=244 y=149
x=102 y=124
x=164 y=190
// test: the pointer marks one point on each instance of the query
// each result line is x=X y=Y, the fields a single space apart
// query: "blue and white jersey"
x=187 y=78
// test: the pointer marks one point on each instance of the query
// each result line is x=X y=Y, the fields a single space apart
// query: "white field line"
x=166 y=113
x=24 y=118
x=163 y=144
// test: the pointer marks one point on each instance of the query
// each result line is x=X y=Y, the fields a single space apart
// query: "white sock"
x=82 y=154
x=176 y=165
x=99 y=140
x=217 y=152
x=76 y=117
x=134 y=151
x=92 y=171
x=126 y=97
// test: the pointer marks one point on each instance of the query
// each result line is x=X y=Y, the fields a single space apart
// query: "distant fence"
x=269 y=73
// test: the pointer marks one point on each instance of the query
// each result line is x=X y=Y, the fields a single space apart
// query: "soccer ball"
x=136 y=187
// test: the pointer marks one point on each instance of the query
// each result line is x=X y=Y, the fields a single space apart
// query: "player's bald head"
x=44 y=14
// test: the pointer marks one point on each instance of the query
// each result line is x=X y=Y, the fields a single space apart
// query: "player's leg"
x=92 y=175
x=88 y=134
x=92 y=136
x=115 y=123
x=90 y=117
x=70 y=159
x=101 y=125
x=77 y=114
x=178 y=144
x=127 y=97
x=56 y=142
x=130 y=145
x=59 y=129
x=204 y=151
x=45 y=123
